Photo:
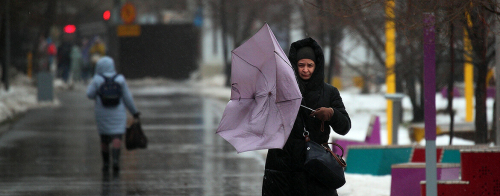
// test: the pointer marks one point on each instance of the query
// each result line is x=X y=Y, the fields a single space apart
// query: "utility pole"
x=430 y=104
x=497 y=84
x=390 y=63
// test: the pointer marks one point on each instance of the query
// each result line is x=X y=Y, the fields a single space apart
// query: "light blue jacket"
x=110 y=120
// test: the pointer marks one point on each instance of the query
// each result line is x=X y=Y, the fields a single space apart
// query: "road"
x=55 y=150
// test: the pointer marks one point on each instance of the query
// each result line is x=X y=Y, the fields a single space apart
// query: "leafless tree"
x=239 y=20
x=366 y=19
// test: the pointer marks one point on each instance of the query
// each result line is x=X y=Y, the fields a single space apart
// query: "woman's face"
x=306 y=68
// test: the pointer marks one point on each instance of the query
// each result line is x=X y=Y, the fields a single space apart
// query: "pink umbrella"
x=265 y=97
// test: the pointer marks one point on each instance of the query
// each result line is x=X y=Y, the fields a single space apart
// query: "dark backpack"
x=110 y=92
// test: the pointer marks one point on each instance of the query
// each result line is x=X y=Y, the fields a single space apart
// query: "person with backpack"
x=112 y=98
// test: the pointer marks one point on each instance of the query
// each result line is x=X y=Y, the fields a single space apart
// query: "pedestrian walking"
x=43 y=54
x=64 y=60
x=87 y=71
x=76 y=62
x=110 y=110
x=97 y=51
x=284 y=170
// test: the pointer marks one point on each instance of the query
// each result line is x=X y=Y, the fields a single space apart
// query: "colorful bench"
x=406 y=177
x=480 y=174
x=376 y=160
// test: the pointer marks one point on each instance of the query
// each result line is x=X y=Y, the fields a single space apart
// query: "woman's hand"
x=322 y=113
x=136 y=116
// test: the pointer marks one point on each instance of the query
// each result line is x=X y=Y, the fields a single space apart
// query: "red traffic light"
x=106 y=15
x=69 y=28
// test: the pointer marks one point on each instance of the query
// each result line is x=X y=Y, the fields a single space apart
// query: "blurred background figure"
x=51 y=51
x=47 y=51
x=43 y=57
x=64 y=60
x=97 y=51
x=87 y=71
x=75 y=74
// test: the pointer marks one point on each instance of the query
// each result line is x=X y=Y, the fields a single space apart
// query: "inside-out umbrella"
x=265 y=97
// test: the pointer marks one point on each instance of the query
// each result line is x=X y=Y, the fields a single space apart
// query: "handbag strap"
x=339 y=160
x=338 y=145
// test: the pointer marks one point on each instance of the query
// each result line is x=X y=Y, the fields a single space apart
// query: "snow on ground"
x=22 y=96
x=361 y=108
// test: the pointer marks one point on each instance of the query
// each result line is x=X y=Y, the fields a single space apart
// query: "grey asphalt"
x=55 y=151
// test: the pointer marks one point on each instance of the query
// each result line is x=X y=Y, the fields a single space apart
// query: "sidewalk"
x=15 y=102
x=55 y=151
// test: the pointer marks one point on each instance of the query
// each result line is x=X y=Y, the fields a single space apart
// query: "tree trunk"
x=365 y=89
x=227 y=66
x=331 y=64
x=478 y=39
x=2 y=38
x=49 y=16
x=6 y=36
x=419 y=113
x=450 y=83
x=481 y=119
x=321 y=33
x=305 y=23
x=493 y=133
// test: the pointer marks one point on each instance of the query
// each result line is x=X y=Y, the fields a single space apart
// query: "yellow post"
x=337 y=82
x=29 y=69
x=468 y=73
x=390 y=61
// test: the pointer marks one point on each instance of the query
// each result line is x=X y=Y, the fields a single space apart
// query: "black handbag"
x=135 y=137
x=323 y=164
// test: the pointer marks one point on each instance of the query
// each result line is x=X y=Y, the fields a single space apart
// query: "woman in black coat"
x=284 y=170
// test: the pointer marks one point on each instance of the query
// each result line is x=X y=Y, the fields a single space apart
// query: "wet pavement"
x=55 y=151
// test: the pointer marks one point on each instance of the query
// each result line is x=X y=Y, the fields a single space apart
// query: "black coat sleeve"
x=340 y=121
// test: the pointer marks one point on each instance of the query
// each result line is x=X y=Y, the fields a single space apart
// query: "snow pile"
x=20 y=97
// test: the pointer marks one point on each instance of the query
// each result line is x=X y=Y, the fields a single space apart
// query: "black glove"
x=136 y=115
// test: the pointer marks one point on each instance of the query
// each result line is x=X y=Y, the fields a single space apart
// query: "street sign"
x=128 y=30
x=128 y=13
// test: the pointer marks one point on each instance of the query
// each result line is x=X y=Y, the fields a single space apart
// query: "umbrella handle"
x=305 y=107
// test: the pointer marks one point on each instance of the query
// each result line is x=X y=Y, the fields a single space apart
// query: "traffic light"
x=69 y=28
x=106 y=15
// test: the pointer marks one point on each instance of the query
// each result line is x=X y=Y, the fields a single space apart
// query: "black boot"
x=116 y=160
x=105 y=161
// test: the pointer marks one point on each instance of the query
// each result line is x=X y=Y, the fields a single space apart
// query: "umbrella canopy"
x=265 y=97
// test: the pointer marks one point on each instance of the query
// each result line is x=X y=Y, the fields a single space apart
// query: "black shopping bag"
x=134 y=137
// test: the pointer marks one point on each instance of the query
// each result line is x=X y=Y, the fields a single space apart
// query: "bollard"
x=45 y=86
x=396 y=109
